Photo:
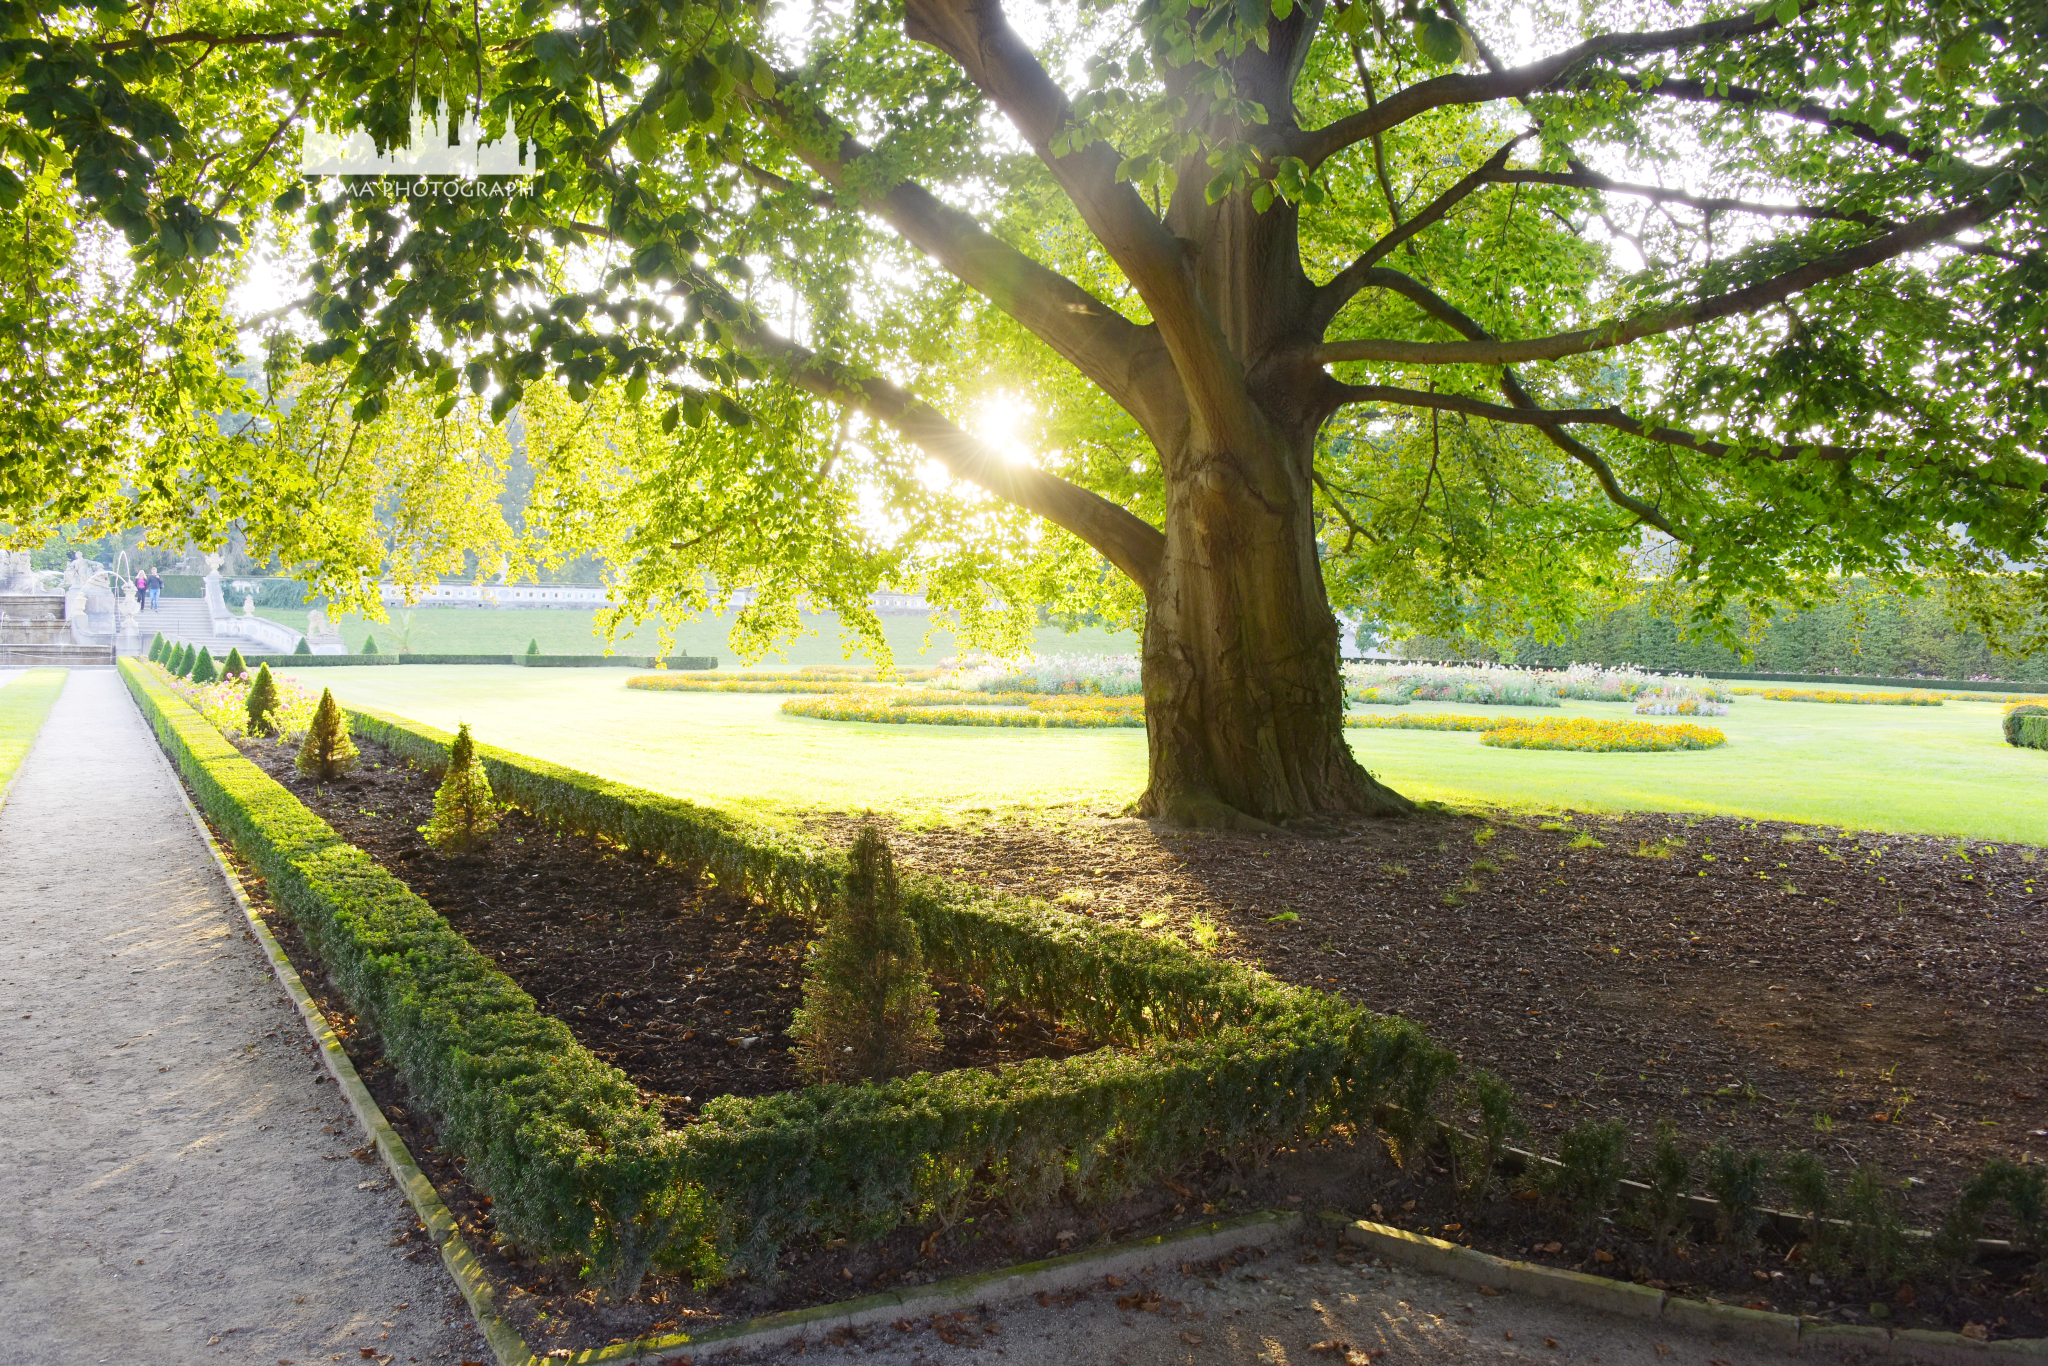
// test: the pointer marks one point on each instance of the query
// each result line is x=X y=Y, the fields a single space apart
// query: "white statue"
x=248 y=604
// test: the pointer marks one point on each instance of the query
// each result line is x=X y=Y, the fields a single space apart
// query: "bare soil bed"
x=1873 y=998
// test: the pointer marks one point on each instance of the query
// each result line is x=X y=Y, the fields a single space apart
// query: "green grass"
x=563 y=631
x=1933 y=770
x=23 y=704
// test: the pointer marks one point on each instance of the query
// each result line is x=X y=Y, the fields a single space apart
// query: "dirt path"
x=179 y=1180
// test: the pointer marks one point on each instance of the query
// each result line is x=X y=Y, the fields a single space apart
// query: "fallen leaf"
x=1488 y=1290
x=1758 y=1305
x=1330 y=1347
x=1976 y=1332
x=1509 y=1335
x=1409 y=1207
x=1548 y=1247
x=1716 y=1361
x=1603 y=1257
x=1550 y=1342
x=1191 y=1338
x=1113 y=1282
x=1178 y=1189
x=1663 y=1348
x=905 y=1325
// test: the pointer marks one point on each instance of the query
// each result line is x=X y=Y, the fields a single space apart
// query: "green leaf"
x=1219 y=186
x=1787 y=11
x=1439 y=41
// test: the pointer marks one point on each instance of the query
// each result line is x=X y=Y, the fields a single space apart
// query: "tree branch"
x=977 y=35
x=1621 y=331
x=1805 y=111
x=1127 y=541
x=1588 y=180
x=193 y=35
x=1331 y=298
x=1125 y=360
x=1315 y=146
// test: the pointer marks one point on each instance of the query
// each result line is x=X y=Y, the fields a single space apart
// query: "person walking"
x=156 y=587
x=141 y=589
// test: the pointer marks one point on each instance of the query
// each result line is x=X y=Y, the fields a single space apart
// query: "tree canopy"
x=1533 y=287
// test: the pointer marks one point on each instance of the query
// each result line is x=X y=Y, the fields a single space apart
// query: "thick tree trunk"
x=1244 y=705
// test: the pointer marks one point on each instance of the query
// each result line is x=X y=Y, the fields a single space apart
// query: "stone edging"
x=1716 y=1320
x=1199 y=1243
x=1193 y=1244
x=504 y=1340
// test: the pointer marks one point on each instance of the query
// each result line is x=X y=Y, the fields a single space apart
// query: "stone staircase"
x=33 y=632
x=183 y=621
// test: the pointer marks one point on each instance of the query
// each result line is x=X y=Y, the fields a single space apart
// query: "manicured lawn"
x=561 y=631
x=1931 y=770
x=26 y=697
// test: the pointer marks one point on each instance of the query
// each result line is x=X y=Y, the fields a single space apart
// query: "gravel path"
x=1281 y=1311
x=179 y=1181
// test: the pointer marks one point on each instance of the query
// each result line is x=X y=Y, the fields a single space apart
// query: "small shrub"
x=1810 y=1191
x=1737 y=1180
x=156 y=648
x=1433 y=720
x=327 y=751
x=867 y=1013
x=302 y=648
x=202 y=667
x=369 y=645
x=187 y=657
x=236 y=666
x=465 y=811
x=533 y=645
x=1590 y=1161
x=2025 y=1192
x=1876 y=1238
x=263 y=704
x=1499 y=1124
x=1667 y=1204
x=2015 y=724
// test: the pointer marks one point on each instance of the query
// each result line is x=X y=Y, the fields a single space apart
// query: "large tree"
x=1461 y=314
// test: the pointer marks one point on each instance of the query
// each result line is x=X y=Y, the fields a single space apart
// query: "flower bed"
x=1863 y=699
x=1100 y=675
x=1585 y=733
x=939 y=709
x=1504 y=685
x=1432 y=720
x=1213 y=1056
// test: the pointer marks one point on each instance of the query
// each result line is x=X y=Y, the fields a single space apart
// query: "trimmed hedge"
x=347 y=661
x=2026 y=725
x=1209 y=1054
x=561 y=1141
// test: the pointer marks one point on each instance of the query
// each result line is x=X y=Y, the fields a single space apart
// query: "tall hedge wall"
x=1862 y=630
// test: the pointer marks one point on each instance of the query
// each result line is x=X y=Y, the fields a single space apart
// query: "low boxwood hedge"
x=1204 y=1055
x=347 y=661
x=2026 y=725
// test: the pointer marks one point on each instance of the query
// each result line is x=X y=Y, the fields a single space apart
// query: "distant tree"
x=327 y=751
x=465 y=810
x=202 y=667
x=369 y=645
x=236 y=666
x=302 y=648
x=533 y=646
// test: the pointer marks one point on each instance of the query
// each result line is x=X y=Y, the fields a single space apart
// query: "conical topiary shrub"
x=182 y=666
x=327 y=752
x=369 y=645
x=533 y=646
x=867 y=1011
x=236 y=665
x=202 y=667
x=465 y=810
x=156 y=648
x=302 y=648
x=262 y=703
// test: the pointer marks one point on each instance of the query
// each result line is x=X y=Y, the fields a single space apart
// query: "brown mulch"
x=1876 y=998
x=686 y=989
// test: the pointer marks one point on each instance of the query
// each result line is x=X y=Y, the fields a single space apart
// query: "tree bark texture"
x=1244 y=703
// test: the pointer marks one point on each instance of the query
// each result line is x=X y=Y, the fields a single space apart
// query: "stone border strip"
x=441 y=1226
x=1194 y=1244
x=1708 y=1317
x=1199 y=1243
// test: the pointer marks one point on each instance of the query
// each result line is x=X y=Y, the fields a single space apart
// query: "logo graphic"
x=434 y=156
